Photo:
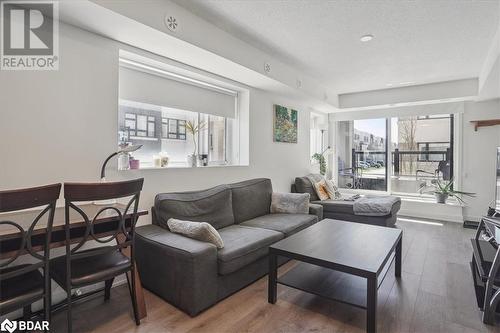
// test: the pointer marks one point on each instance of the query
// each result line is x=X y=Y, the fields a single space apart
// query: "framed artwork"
x=285 y=124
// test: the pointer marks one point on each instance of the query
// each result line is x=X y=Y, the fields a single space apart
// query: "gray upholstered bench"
x=344 y=210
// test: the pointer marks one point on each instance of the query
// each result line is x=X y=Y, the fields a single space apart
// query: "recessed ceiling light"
x=366 y=38
x=389 y=84
x=406 y=83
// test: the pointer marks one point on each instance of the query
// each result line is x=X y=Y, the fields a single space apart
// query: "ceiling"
x=416 y=42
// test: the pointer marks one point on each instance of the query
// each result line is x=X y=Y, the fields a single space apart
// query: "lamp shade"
x=129 y=149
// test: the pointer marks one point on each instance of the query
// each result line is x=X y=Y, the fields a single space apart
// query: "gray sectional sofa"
x=344 y=210
x=193 y=275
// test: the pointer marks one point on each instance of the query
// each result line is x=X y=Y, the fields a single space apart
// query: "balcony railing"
x=369 y=168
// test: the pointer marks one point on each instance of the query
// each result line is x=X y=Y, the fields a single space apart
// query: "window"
x=157 y=102
x=422 y=151
x=173 y=129
x=140 y=125
x=362 y=154
x=175 y=141
x=213 y=138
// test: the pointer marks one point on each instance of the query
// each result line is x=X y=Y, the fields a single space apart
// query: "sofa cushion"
x=243 y=245
x=336 y=206
x=213 y=206
x=290 y=203
x=251 y=198
x=304 y=185
x=285 y=223
x=346 y=207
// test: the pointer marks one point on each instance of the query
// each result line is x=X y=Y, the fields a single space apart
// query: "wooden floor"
x=435 y=294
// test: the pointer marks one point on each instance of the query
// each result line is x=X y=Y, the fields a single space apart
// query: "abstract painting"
x=285 y=124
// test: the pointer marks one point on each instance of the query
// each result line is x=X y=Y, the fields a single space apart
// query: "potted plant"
x=320 y=158
x=443 y=190
x=193 y=129
x=322 y=162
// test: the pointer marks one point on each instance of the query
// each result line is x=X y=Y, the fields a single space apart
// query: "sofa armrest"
x=315 y=209
x=181 y=270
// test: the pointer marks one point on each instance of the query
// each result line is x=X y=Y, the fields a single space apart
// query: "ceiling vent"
x=171 y=23
x=267 y=67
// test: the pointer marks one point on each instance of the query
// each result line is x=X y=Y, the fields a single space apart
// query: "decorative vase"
x=134 y=164
x=164 y=159
x=123 y=161
x=441 y=197
x=192 y=161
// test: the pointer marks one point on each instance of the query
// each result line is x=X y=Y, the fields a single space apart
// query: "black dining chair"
x=22 y=236
x=80 y=267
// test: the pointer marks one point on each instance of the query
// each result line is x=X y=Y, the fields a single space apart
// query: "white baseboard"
x=430 y=210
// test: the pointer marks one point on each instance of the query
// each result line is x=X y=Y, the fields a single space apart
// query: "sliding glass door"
x=362 y=154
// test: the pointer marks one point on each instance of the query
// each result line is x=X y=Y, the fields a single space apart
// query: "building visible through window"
x=163 y=130
x=173 y=129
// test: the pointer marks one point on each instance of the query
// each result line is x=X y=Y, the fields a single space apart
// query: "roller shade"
x=141 y=86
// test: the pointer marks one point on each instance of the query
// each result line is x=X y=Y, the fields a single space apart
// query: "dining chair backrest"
x=127 y=218
x=13 y=247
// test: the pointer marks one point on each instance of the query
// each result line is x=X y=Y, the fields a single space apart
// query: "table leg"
x=139 y=293
x=371 y=305
x=399 y=257
x=273 y=274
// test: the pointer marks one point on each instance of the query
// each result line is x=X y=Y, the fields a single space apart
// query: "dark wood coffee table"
x=336 y=257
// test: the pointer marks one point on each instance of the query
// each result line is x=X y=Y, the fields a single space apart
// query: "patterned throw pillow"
x=290 y=203
x=197 y=230
x=333 y=191
x=321 y=190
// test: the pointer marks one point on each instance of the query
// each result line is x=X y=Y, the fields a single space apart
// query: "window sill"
x=143 y=138
x=428 y=199
x=186 y=167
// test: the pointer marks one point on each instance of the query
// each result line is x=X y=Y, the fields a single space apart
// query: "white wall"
x=199 y=32
x=479 y=156
x=59 y=126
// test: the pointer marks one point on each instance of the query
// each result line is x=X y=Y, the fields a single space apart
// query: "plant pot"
x=192 y=161
x=441 y=197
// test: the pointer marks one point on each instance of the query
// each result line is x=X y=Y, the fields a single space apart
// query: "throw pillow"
x=290 y=203
x=321 y=190
x=197 y=230
x=333 y=191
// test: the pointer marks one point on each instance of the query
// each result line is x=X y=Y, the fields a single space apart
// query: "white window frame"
x=457 y=160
